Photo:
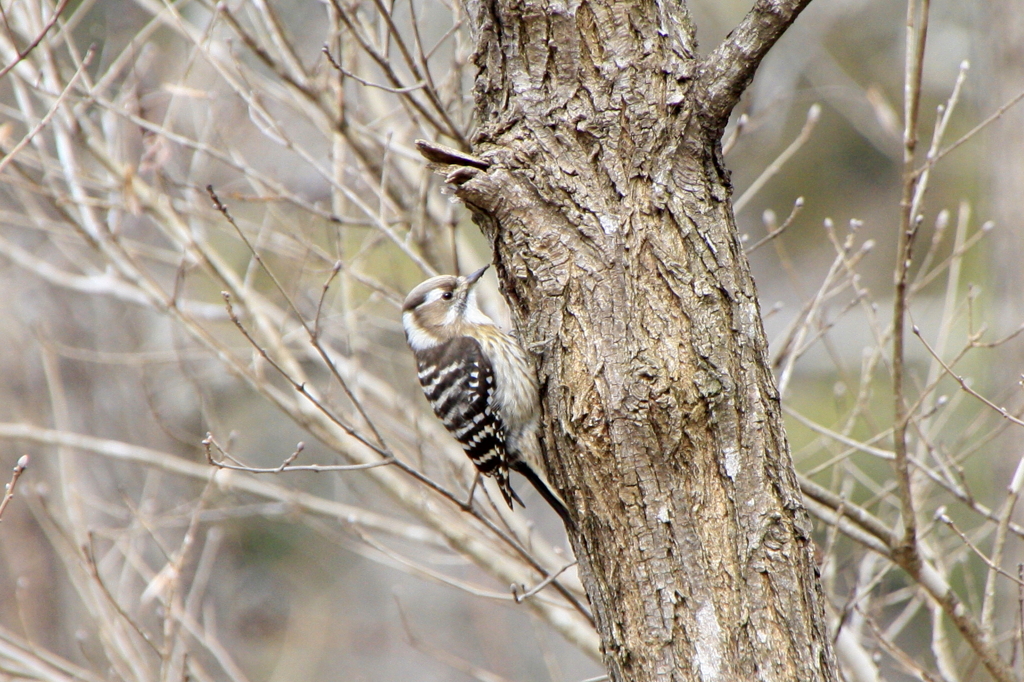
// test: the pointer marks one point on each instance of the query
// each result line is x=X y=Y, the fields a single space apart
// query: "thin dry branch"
x=446 y=657
x=19 y=469
x=728 y=70
x=813 y=116
x=226 y=480
x=1001 y=411
x=45 y=120
x=30 y=660
x=362 y=81
x=999 y=545
x=774 y=230
x=916 y=31
x=992 y=118
x=288 y=464
x=527 y=593
x=34 y=43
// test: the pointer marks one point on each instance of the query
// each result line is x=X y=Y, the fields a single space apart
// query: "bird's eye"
x=447 y=295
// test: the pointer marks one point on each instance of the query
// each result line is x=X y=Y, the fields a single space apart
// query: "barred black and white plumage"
x=459 y=383
x=479 y=382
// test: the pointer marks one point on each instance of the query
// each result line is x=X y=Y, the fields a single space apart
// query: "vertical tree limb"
x=601 y=187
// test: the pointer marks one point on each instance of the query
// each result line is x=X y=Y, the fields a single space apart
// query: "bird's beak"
x=474 y=276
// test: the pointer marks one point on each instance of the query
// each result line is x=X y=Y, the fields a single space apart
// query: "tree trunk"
x=601 y=185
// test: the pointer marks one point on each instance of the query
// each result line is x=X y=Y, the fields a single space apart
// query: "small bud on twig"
x=19 y=468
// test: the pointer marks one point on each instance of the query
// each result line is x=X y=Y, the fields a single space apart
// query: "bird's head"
x=440 y=308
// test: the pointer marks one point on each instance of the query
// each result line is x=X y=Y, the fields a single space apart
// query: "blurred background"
x=124 y=369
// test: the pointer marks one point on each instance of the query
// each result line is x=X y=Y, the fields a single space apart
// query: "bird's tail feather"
x=500 y=475
x=545 y=490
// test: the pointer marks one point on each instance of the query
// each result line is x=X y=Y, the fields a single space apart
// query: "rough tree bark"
x=601 y=185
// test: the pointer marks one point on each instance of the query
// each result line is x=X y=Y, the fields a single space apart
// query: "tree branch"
x=8 y=495
x=729 y=69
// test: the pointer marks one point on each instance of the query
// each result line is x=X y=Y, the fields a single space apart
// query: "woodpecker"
x=479 y=382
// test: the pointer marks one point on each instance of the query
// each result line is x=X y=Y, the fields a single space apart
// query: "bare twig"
x=120 y=451
x=446 y=657
x=813 y=115
x=19 y=469
x=737 y=132
x=774 y=230
x=299 y=387
x=944 y=518
x=348 y=74
x=287 y=465
x=995 y=116
x=522 y=551
x=54 y=16
x=58 y=103
x=1002 y=411
x=539 y=586
x=323 y=296
x=917 y=31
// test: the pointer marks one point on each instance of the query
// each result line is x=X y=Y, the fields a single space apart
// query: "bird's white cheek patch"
x=452 y=316
x=419 y=339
